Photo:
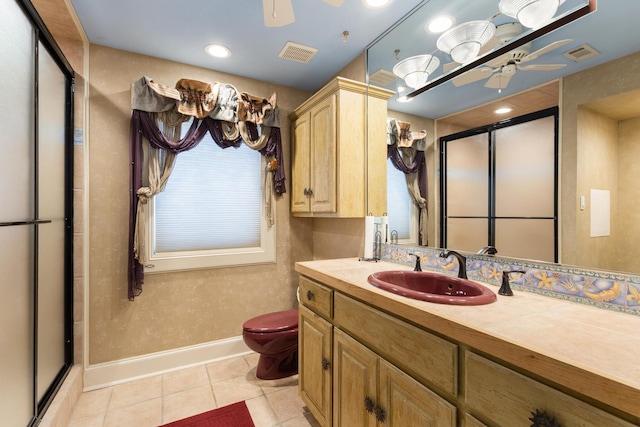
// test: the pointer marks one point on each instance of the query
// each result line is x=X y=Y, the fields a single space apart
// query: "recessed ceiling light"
x=218 y=50
x=404 y=98
x=503 y=110
x=376 y=4
x=440 y=24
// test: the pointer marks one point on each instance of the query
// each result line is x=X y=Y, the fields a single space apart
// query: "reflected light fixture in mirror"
x=503 y=110
x=530 y=13
x=376 y=4
x=464 y=41
x=440 y=24
x=415 y=70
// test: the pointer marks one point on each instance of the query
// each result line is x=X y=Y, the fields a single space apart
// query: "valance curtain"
x=405 y=149
x=160 y=125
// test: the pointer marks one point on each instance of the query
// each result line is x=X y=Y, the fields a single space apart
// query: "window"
x=211 y=213
x=402 y=212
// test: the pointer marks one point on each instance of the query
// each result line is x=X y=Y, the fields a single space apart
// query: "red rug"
x=234 y=415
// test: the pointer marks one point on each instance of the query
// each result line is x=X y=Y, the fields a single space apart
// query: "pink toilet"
x=275 y=337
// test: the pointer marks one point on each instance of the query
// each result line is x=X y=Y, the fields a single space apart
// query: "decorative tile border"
x=608 y=290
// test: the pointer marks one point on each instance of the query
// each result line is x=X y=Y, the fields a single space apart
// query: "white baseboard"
x=124 y=370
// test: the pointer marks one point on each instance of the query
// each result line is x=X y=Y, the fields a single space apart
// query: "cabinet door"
x=409 y=403
x=506 y=398
x=314 y=354
x=300 y=158
x=354 y=381
x=323 y=156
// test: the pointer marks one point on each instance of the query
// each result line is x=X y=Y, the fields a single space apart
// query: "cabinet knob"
x=310 y=295
x=368 y=404
x=381 y=415
x=325 y=364
x=543 y=419
x=306 y=192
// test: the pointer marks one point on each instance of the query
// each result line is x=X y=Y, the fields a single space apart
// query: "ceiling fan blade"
x=277 y=13
x=472 y=76
x=542 y=67
x=547 y=48
x=336 y=3
x=498 y=81
x=449 y=66
x=499 y=61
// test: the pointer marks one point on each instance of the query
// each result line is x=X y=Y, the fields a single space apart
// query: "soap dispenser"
x=505 y=288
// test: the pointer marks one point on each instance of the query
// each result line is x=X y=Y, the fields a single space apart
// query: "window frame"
x=265 y=253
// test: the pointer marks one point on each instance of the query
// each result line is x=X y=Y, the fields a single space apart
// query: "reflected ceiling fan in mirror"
x=278 y=13
x=500 y=70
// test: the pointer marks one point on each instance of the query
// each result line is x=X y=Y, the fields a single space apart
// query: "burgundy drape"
x=143 y=126
x=417 y=165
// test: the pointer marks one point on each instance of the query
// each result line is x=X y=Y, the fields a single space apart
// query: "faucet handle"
x=505 y=288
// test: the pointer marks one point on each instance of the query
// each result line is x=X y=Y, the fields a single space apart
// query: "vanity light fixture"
x=503 y=110
x=530 y=13
x=463 y=42
x=415 y=70
x=218 y=51
x=440 y=24
x=376 y=4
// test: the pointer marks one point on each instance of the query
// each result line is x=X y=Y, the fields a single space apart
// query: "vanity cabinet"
x=315 y=348
x=314 y=364
x=502 y=397
x=369 y=390
x=359 y=366
x=413 y=364
x=339 y=151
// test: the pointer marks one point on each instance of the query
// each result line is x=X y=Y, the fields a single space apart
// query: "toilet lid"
x=273 y=322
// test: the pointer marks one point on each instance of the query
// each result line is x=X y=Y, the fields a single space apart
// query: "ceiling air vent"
x=382 y=77
x=297 y=52
x=581 y=53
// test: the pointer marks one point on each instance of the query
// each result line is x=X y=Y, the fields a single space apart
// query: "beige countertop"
x=592 y=351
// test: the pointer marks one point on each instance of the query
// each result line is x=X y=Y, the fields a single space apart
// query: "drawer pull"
x=368 y=404
x=325 y=363
x=380 y=414
x=310 y=295
x=542 y=419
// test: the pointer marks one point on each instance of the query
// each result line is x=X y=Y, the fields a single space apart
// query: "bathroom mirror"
x=600 y=43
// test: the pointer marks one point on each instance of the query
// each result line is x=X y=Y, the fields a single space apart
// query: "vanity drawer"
x=501 y=396
x=316 y=297
x=429 y=359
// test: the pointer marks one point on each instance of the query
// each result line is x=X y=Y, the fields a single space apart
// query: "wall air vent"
x=581 y=53
x=297 y=52
x=382 y=77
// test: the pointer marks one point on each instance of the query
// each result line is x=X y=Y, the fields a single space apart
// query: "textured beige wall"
x=628 y=218
x=183 y=308
x=578 y=89
x=598 y=157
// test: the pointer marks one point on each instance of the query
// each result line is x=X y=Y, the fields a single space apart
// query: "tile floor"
x=154 y=401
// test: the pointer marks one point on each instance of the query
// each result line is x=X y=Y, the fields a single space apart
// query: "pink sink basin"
x=433 y=287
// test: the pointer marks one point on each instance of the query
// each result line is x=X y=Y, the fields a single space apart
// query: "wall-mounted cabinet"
x=339 y=151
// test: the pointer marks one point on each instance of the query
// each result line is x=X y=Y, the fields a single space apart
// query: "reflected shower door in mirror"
x=499 y=188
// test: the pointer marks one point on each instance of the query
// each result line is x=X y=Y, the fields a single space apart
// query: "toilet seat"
x=273 y=322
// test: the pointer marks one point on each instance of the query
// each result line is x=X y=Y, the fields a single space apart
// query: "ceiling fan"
x=278 y=13
x=500 y=70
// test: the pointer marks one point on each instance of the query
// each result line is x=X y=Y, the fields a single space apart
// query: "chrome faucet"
x=462 y=262
x=487 y=250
